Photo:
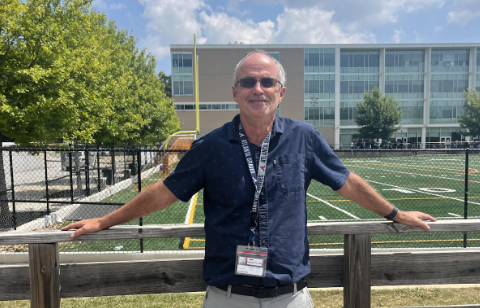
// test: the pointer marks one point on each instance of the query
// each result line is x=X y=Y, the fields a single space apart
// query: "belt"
x=265 y=292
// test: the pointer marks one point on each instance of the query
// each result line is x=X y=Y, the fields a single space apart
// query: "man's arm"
x=357 y=190
x=154 y=198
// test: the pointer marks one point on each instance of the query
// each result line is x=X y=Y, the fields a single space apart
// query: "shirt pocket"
x=290 y=172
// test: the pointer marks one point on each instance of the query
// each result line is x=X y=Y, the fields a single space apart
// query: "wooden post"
x=44 y=275
x=356 y=271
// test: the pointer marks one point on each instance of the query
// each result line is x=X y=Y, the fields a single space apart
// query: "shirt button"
x=261 y=193
x=263 y=216
x=263 y=241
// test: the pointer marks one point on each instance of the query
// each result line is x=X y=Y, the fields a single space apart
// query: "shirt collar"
x=278 y=127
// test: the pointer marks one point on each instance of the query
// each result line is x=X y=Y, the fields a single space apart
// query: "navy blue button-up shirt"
x=216 y=163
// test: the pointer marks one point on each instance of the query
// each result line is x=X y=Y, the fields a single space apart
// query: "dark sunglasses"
x=265 y=82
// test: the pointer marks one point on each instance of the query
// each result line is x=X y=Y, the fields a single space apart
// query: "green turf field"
x=434 y=184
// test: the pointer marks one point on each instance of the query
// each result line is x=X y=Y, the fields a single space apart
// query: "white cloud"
x=314 y=26
x=463 y=11
x=363 y=15
x=220 y=28
x=233 y=6
x=170 y=22
x=398 y=35
x=169 y=25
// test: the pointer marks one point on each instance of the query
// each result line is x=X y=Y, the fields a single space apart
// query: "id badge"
x=251 y=261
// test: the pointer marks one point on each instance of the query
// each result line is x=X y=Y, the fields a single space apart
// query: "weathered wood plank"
x=158 y=231
x=356 y=270
x=98 y=279
x=44 y=275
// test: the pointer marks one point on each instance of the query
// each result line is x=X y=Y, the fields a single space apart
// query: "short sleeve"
x=326 y=167
x=189 y=175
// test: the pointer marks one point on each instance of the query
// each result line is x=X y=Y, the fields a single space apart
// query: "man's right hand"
x=83 y=227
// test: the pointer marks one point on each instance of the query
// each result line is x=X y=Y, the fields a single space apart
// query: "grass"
x=410 y=297
x=433 y=184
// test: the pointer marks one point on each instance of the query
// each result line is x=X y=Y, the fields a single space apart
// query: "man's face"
x=258 y=103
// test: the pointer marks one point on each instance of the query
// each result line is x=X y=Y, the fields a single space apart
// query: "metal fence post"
x=71 y=176
x=87 y=171
x=465 y=200
x=14 y=211
x=46 y=181
x=113 y=165
x=139 y=177
x=98 y=169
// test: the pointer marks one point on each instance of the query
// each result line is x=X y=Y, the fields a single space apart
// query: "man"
x=255 y=172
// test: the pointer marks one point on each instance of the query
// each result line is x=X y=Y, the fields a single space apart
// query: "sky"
x=158 y=23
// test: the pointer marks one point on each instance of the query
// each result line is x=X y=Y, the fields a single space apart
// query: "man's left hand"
x=414 y=219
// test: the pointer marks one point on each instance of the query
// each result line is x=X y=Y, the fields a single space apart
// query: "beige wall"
x=216 y=66
x=328 y=133
x=209 y=119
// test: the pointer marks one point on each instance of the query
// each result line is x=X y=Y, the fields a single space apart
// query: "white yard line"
x=422 y=192
x=322 y=218
x=333 y=206
x=190 y=207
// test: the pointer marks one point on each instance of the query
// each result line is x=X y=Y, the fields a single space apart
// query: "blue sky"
x=158 y=23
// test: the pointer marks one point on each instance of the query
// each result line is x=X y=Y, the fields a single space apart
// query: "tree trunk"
x=5 y=215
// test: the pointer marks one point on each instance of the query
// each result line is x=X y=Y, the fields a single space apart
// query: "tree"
x=67 y=73
x=470 y=120
x=167 y=81
x=378 y=115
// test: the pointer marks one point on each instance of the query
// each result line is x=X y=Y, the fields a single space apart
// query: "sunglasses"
x=265 y=82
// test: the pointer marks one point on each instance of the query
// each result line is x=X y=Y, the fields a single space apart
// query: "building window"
x=404 y=86
x=274 y=55
x=450 y=60
x=400 y=61
x=448 y=85
x=319 y=86
x=320 y=113
x=359 y=61
x=445 y=111
x=477 y=83
x=348 y=110
x=182 y=73
x=354 y=86
x=412 y=112
x=478 y=60
x=319 y=60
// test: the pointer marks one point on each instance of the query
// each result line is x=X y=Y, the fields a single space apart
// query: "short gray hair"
x=282 y=76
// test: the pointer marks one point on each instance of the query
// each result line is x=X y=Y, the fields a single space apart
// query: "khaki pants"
x=216 y=298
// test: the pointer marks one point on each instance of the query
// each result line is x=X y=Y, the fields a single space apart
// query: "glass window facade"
x=450 y=60
x=477 y=82
x=402 y=61
x=182 y=74
x=478 y=59
x=319 y=86
x=445 y=111
x=359 y=61
x=348 y=110
x=448 y=85
x=412 y=112
x=274 y=55
x=320 y=113
x=440 y=137
x=354 y=86
x=404 y=86
x=319 y=60
x=182 y=84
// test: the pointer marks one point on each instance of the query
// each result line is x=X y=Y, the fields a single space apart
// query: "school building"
x=325 y=81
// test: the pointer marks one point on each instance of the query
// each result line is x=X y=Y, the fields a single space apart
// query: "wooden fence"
x=356 y=270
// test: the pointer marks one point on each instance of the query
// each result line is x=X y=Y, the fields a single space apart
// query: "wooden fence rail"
x=356 y=270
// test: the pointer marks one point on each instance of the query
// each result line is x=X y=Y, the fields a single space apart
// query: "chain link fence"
x=49 y=188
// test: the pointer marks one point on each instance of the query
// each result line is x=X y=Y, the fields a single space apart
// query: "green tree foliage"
x=470 y=121
x=167 y=81
x=67 y=73
x=378 y=115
